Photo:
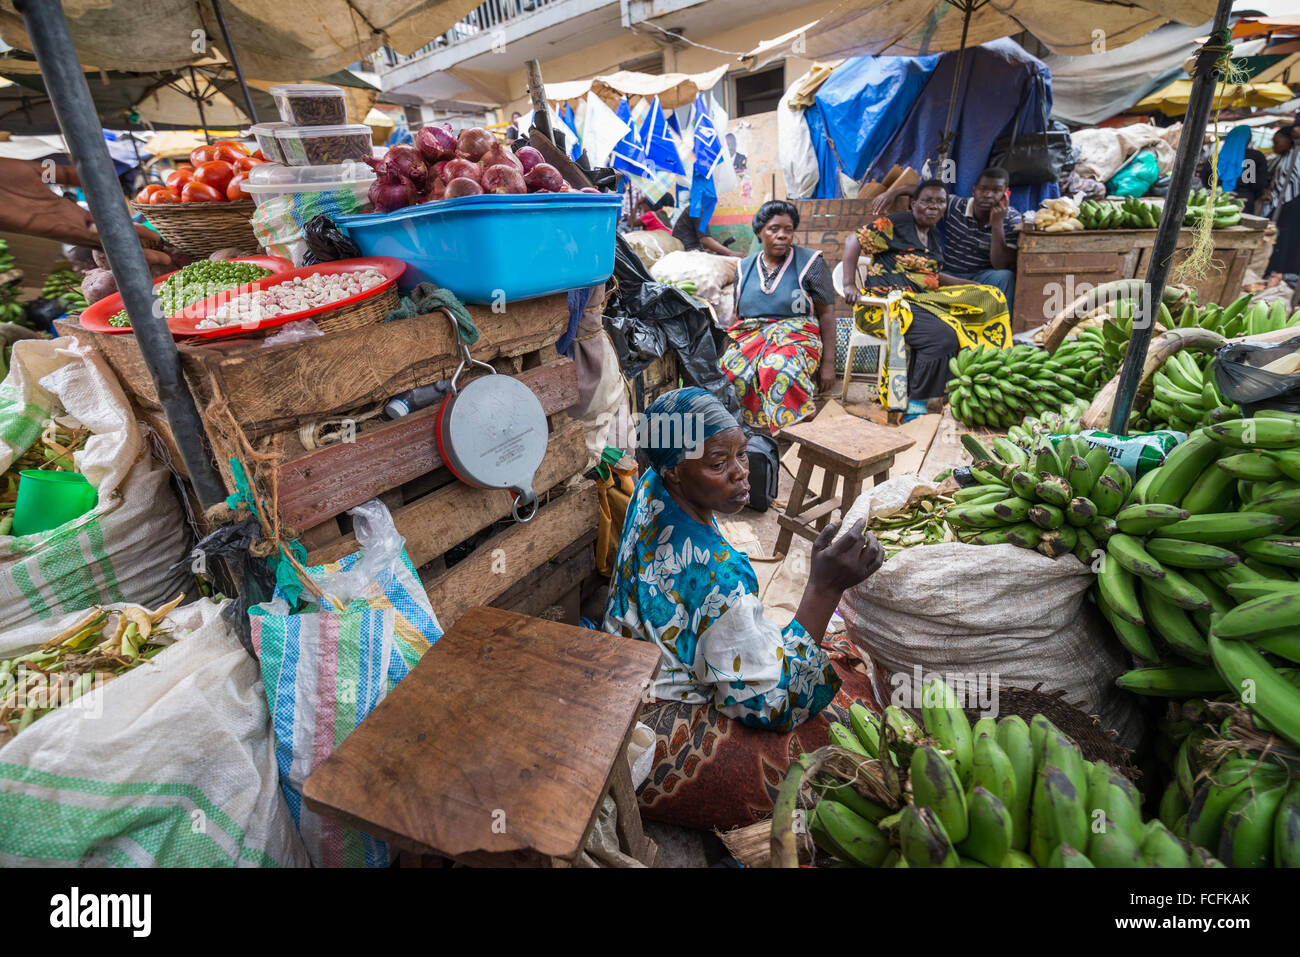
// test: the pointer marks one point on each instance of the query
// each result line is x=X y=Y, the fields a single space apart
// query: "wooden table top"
x=500 y=741
x=850 y=441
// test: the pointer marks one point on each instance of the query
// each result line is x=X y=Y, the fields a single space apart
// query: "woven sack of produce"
x=171 y=764
x=125 y=547
x=992 y=610
x=652 y=245
x=710 y=273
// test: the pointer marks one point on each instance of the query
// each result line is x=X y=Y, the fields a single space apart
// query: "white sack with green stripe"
x=123 y=549
x=172 y=764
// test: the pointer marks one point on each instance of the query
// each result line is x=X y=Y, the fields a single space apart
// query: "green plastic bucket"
x=48 y=499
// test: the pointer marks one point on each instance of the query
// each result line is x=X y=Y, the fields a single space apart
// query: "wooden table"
x=499 y=747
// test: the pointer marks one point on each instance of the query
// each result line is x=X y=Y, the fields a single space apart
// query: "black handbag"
x=1034 y=157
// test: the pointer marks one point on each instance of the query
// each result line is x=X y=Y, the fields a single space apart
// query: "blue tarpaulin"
x=882 y=111
x=858 y=110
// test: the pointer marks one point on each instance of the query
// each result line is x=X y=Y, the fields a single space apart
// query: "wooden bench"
x=844 y=447
x=499 y=747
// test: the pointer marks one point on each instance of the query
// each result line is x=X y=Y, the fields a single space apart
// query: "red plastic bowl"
x=95 y=318
x=186 y=322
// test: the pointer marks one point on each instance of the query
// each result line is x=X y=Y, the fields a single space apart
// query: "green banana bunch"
x=1132 y=213
x=1068 y=421
x=1057 y=498
x=64 y=285
x=1184 y=396
x=999 y=387
x=1028 y=788
x=1224 y=208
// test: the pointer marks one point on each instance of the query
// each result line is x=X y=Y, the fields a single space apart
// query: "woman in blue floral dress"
x=726 y=669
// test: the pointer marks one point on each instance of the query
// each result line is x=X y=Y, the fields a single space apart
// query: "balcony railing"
x=484 y=19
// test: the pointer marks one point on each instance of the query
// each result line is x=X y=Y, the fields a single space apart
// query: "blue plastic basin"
x=497 y=247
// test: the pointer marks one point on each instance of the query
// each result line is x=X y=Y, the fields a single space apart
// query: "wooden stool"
x=499 y=747
x=845 y=446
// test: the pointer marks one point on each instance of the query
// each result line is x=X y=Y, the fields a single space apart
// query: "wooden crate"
x=1052 y=269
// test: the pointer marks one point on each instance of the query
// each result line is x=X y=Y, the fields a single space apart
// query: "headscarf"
x=678 y=422
x=1232 y=156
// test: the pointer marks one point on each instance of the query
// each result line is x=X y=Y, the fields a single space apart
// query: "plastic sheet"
x=1239 y=377
x=326 y=242
x=646 y=319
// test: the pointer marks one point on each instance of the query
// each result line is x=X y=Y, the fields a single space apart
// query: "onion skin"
x=544 y=178
x=500 y=155
x=408 y=163
x=473 y=142
x=461 y=186
x=529 y=157
x=436 y=143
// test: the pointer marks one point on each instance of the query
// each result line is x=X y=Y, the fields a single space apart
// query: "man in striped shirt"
x=979 y=233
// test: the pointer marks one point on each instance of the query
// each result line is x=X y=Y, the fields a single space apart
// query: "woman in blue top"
x=678 y=583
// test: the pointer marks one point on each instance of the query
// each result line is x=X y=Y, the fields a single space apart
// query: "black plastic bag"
x=1239 y=376
x=256 y=579
x=645 y=319
x=326 y=242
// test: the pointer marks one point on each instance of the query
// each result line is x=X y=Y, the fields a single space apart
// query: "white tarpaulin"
x=673 y=89
x=916 y=28
x=1089 y=89
x=282 y=39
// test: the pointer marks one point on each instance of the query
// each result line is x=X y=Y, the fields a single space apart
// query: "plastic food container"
x=271 y=180
x=324 y=145
x=264 y=133
x=311 y=104
x=493 y=247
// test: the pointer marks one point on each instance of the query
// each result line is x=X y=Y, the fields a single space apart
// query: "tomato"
x=203 y=154
x=245 y=163
x=235 y=144
x=165 y=196
x=144 y=194
x=196 y=192
x=230 y=154
x=179 y=177
x=215 y=174
x=235 y=190
x=259 y=155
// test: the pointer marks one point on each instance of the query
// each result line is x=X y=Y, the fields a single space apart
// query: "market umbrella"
x=1172 y=100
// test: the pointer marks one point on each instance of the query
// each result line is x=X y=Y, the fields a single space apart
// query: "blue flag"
x=704 y=200
x=570 y=120
x=708 y=145
x=629 y=155
x=660 y=150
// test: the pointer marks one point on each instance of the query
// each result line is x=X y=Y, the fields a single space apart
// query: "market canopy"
x=673 y=89
x=289 y=39
x=1172 y=100
x=921 y=27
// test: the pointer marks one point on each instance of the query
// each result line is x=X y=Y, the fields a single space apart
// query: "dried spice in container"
x=324 y=145
x=311 y=104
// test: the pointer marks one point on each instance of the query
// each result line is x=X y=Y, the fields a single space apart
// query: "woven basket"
x=200 y=229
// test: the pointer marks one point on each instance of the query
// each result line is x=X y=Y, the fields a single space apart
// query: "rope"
x=702 y=46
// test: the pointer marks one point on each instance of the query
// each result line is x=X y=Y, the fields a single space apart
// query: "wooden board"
x=435 y=522
x=848 y=441
x=282 y=387
x=506 y=558
x=508 y=721
x=547 y=585
x=325 y=482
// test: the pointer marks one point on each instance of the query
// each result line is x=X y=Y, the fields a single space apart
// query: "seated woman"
x=736 y=695
x=784 y=328
x=947 y=314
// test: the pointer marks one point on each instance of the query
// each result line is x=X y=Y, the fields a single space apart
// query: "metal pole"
x=1171 y=221
x=234 y=59
x=66 y=84
x=198 y=101
x=945 y=144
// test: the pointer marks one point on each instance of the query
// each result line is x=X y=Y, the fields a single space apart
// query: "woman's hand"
x=845 y=562
x=880 y=205
x=851 y=295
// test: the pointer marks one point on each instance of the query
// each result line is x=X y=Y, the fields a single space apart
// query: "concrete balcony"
x=472 y=62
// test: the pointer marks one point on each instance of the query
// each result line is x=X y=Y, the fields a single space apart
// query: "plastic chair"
x=860 y=340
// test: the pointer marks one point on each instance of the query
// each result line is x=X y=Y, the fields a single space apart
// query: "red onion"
x=473 y=143
x=437 y=191
x=436 y=143
x=588 y=189
x=460 y=168
x=462 y=186
x=390 y=192
x=503 y=179
x=529 y=157
x=544 y=178
x=498 y=154
x=407 y=163
x=435 y=171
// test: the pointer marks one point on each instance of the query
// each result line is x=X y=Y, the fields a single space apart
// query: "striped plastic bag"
x=170 y=765
x=278 y=223
x=325 y=669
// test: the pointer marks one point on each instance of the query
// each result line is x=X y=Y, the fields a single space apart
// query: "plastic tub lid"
x=301 y=132
x=268 y=128
x=274 y=178
x=481 y=201
x=307 y=89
